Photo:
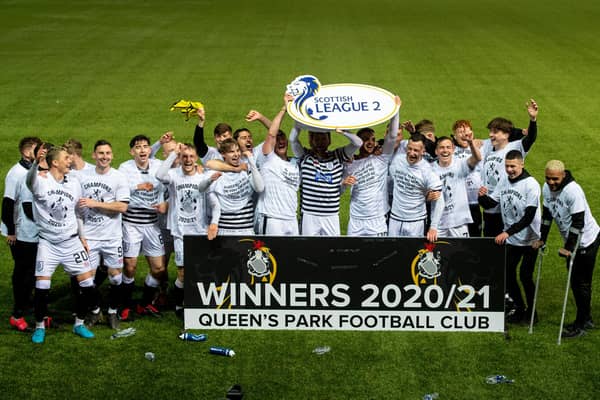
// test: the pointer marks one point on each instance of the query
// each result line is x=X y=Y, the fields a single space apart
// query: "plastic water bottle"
x=193 y=337
x=321 y=350
x=496 y=379
x=222 y=351
x=123 y=333
x=431 y=396
x=149 y=356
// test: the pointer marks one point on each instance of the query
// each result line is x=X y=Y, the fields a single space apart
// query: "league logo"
x=303 y=88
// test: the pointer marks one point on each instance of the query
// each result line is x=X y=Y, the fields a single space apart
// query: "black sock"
x=40 y=301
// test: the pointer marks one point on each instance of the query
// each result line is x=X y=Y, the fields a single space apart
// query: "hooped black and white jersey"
x=140 y=210
x=321 y=181
x=235 y=194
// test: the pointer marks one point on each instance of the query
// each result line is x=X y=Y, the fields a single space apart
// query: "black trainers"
x=515 y=316
x=92 y=319
x=589 y=324
x=574 y=333
x=113 y=321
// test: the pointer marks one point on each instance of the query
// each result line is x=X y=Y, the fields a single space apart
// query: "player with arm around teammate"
x=62 y=241
x=367 y=175
x=413 y=181
x=518 y=196
x=565 y=203
x=234 y=192
x=187 y=205
x=453 y=174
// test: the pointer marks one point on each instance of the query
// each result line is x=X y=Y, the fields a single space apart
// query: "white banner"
x=342 y=105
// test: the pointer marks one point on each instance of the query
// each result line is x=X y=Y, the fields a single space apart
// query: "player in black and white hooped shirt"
x=414 y=182
x=321 y=173
x=494 y=152
x=367 y=176
x=187 y=205
x=141 y=233
x=234 y=192
x=104 y=197
x=61 y=239
x=453 y=173
x=565 y=203
x=24 y=248
x=518 y=196
x=278 y=203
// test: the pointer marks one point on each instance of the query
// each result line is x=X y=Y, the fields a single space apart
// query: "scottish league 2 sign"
x=350 y=283
x=342 y=105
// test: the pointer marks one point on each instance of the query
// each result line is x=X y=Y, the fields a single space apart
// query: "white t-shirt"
x=514 y=198
x=187 y=202
x=282 y=180
x=369 y=196
x=493 y=168
x=25 y=228
x=456 y=205
x=473 y=180
x=54 y=207
x=566 y=202
x=14 y=175
x=411 y=184
x=234 y=192
x=107 y=188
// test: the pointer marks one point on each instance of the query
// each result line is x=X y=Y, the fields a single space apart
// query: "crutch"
x=571 y=259
x=537 y=287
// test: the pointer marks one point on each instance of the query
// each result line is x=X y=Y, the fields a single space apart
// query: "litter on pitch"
x=321 y=350
x=187 y=107
x=123 y=333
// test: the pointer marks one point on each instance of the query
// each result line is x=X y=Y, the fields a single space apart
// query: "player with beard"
x=518 y=196
x=104 y=197
x=278 y=203
x=367 y=175
x=187 y=205
x=453 y=173
x=321 y=173
x=61 y=238
x=565 y=202
x=414 y=182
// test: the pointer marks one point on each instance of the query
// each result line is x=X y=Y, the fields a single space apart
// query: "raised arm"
x=532 y=111
x=269 y=143
x=295 y=141
x=254 y=115
x=257 y=181
x=389 y=142
x=475 y=153
x=355 y=143
x=201 y=146
x=162 y=173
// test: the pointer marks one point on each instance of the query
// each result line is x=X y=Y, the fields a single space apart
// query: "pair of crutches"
x=537 y=285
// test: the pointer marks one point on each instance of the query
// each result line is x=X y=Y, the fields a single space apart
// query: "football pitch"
x=111 y=69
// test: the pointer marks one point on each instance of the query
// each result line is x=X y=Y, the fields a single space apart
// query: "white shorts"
x=142 y=239
x=178 y=247
x=367 y=227
x=111 y=251
x=406 y=228
x=277 y=226
x=70 y=253
x=460 y=231
x=320 y=225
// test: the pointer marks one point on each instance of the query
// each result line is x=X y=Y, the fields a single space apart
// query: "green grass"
x=110 y=69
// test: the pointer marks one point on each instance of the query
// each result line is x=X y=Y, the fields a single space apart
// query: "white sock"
x=78 y=321
x=40 y=325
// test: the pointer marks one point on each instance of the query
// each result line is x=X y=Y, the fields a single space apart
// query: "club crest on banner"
x=427 y=263
x=343 y=105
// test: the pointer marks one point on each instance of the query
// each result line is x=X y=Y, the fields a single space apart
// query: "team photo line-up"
x=95 y=220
